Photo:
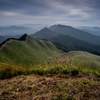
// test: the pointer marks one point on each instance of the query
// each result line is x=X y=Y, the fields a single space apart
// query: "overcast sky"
x=49 y=12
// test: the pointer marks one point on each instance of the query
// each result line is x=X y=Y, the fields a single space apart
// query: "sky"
x=50 y=12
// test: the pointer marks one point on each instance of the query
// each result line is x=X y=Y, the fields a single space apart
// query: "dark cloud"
x=49 y=11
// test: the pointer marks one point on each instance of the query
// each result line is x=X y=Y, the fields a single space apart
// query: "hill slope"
x=32 y=51
x=76 y=33
x=93 y=60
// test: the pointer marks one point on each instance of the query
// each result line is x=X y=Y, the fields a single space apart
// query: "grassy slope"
x=91 y=59
x=31 y=52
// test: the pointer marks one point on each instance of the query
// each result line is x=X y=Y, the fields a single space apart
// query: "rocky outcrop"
x=23 y=38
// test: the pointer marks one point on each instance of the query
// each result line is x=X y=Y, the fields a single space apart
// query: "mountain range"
x=66 y=38
x=76 y=33
x=71 y=38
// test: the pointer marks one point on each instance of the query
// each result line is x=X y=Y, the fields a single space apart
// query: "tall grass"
x=72 y=67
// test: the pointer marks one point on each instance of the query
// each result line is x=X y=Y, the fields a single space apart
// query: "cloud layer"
x=69 y=12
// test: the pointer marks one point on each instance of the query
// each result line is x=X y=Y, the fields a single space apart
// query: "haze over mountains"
x=2 y=39
x=92 y=30
x=16 y=30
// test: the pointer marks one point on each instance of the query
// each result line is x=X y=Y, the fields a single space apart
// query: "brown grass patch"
x=50 y=87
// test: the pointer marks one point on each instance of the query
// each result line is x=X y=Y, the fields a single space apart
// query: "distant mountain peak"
x=45 y=29
x=45 y=33
x=61 y=26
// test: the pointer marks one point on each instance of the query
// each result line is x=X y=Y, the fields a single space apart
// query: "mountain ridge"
x=32 y=51
x=22 y=38
x=76 y=33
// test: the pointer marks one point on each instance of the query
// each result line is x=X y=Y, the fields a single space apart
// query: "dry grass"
x=50 y=87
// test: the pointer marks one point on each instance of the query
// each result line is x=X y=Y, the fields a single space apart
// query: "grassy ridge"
x=31 y=52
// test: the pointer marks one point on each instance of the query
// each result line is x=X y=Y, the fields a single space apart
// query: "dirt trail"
x=48 y=87
x=10 y=40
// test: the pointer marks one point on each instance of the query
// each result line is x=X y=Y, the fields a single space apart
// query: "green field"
x=89 y=60
x=31 y=52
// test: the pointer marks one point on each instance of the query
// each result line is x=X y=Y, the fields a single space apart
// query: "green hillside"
x=91 y=60
x=31 y=52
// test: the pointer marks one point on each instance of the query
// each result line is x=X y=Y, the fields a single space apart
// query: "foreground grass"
x=67 y=67
x=50 y=87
